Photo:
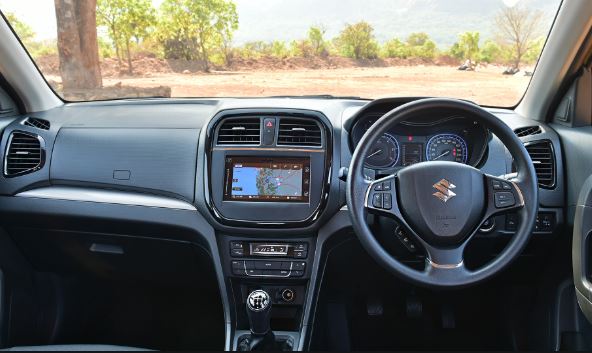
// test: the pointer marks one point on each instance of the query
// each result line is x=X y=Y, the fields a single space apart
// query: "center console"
x=267 y=169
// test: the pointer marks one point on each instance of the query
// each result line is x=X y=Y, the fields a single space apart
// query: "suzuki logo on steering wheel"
x=444 y=188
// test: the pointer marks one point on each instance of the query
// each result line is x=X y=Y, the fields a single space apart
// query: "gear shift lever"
x=259 y=312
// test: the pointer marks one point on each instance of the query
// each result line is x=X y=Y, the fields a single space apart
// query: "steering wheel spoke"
x=449 y=259
x=381 y=197
x=503 y=196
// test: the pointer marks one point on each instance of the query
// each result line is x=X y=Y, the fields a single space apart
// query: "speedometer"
x=384 y=152
x=447 y=147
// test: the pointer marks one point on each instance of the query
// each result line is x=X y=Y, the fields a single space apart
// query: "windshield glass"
x=484 y=51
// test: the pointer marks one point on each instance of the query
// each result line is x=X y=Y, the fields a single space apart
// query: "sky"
x=263 y=19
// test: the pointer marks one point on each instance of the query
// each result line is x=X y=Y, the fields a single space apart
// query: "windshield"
x=484 y=51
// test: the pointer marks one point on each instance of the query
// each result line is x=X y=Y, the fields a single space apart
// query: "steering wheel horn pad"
x=442 y=201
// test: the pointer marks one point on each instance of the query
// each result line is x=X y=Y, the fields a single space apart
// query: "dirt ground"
x=485 y=86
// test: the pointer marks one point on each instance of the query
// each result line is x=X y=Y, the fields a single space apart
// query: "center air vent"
x=24 y=154
x=299 y=132
x=240 y=131
x=38 y=123
x=541 y=154
x=527 y=131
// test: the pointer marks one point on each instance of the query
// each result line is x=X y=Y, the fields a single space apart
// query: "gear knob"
x=259 y=312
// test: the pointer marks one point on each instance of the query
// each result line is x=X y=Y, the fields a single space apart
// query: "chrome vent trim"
x=24 y=154
x=528 y=131
x=239 y=131
x=299 y=132
x=37 y=123
x=543 y=157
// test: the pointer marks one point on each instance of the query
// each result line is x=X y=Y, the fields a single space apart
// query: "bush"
x=394 y=48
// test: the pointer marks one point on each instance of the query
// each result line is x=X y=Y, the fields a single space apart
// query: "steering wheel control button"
x=378 y=187
x=377 y=200
x=497 y=185
x=405 y=239
x=387 y=202
x=487 y=226
x=386 y=186
x=506 y=186
x=504 y=199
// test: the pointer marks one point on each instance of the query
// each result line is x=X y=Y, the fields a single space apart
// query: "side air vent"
x=299 y=132
x=527 y=131
x=24 y=154
x=541 y=154
x=240 y=131
x=38 y=123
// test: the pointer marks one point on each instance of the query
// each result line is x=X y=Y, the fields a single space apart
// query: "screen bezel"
x=228 y=177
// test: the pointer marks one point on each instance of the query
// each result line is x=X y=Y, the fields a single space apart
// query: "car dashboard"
x=256 y=184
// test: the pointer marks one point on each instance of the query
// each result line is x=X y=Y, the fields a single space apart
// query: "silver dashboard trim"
x=71 y=193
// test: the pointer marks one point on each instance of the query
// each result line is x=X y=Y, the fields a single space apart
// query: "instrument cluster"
x=455 y=139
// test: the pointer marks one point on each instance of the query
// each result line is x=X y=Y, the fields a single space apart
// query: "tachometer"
x=447 y=147
x=384 y=152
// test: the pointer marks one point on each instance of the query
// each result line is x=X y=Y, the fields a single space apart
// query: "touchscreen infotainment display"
x=267 y=179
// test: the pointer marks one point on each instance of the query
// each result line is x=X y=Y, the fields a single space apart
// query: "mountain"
x=443 y=20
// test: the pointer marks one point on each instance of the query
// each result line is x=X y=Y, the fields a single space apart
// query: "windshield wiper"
x=319 y=96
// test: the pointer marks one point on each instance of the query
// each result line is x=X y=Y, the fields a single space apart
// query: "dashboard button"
x=301 y=246
x=236 y=245
x=297 y=273
x=237 y=252
x=253 y=272
x=298 y=265
x=268 y=265
x=284 y=273
x=238 y=264
x=300 y=254
x=286 y=265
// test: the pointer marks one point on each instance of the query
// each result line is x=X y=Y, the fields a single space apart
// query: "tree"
x=395 y=48
x=77 y=44
x=518 y=27
x=467 y=47
x=192 y=29
x=491 y=52
x=357 y=41
x=126 y=20
x=317 y=40
x=420 y=45
x=23 y=30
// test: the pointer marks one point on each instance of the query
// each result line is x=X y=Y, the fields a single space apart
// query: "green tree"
x=23 y=30
x=534 y=50
x=126 y=20
x=395 y=48
x=194 y=29
x=420 y=45
x=467 y=47
x=317 y=41
x=491 y=52
x=357 y=41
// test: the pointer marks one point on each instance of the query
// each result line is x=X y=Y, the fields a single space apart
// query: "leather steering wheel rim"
x=451 y=273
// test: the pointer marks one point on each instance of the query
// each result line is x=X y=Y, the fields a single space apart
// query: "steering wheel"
x=442 y=204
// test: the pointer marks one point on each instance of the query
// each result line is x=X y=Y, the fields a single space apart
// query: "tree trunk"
x=77 y=44
x=130 y=69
